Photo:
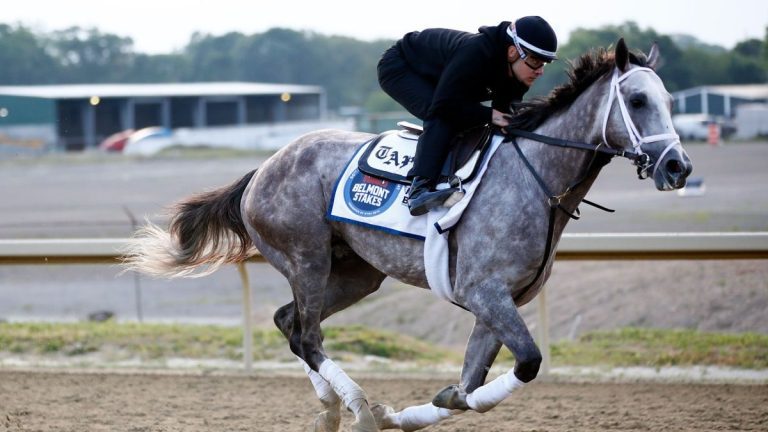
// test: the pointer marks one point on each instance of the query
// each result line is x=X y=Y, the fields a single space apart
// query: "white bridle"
x=637 y=139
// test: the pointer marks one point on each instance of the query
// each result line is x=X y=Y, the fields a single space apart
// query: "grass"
x=151 y=341
x=366 y=341
x=650 y=347
x=142 y=340
x=625 y=347
x=658 y=348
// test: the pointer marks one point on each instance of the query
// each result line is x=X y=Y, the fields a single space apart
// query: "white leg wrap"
x=324 y=390
x=489 y=395
x=351 y=394
x=421 y=416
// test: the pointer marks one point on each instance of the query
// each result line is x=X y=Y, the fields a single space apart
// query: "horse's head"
x=638 y=118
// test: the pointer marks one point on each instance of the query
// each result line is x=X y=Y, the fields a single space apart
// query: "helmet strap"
x=520 y=42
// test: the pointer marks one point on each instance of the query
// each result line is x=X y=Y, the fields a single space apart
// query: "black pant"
x=415 y=92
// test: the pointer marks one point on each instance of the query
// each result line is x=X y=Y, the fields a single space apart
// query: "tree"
x=213 y=58
x=344 y=66
x=672 y=70
x=158 y=68
x=23 y=58
x=87 y=55
x=749 y=48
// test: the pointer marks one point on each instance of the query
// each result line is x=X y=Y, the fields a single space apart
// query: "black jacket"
x=467 y=69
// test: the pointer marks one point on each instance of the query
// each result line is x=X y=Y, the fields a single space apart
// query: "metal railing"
x=587 y=247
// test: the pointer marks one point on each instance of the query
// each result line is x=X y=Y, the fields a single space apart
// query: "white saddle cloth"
x=380 y=204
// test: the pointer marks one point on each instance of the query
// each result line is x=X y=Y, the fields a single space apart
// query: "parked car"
x=116 y=142
x=149 y=141
x=696 y=126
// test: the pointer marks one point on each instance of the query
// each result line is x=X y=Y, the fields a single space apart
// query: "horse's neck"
x=559 y=167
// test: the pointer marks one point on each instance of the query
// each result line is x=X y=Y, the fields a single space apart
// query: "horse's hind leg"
x=350 y=280
x=328 y=420
x=351 y=394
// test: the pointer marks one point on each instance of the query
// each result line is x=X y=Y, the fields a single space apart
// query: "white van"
x=696 y=126
x=692 y=126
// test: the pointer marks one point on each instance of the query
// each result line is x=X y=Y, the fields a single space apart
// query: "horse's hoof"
x=382 y=414
x=451 y=397
x=327 y=421
x=365 y=421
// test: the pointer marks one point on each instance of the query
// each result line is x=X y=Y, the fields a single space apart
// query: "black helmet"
x=535 y=35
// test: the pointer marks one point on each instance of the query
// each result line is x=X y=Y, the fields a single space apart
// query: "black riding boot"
x=423 y=198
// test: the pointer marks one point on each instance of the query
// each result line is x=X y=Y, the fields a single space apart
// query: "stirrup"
x=455 y=183
x=431 y=200
x=454 y=198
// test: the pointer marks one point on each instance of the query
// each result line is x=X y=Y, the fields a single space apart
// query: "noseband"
x=643 y=161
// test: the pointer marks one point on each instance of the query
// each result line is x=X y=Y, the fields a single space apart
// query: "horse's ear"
x=621 y=55
x=653 y=56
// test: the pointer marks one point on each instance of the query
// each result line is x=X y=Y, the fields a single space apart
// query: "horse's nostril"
x=674 y=166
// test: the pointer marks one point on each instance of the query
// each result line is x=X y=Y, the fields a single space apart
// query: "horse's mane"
x=582 y=73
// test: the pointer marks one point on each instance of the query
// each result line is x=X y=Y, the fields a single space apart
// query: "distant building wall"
x=752 y=121
x=20 y=110
x=27 y=139
x=82 y=116
x=715 y=101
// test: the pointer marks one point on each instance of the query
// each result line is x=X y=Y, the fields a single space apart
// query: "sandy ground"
x=41 y=401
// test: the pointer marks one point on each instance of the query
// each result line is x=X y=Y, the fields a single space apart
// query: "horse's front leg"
x=495 y=308
x=482 y=348
x=497 y=320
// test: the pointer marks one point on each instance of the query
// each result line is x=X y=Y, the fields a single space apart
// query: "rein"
x=609 y=151
x=555 y=201
x=638 y=157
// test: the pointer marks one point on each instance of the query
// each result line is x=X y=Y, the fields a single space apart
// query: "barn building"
x=719 y=100
x=77 y=117
x=742 y=107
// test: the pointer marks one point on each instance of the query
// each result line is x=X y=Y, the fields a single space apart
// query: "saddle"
x=391 y=154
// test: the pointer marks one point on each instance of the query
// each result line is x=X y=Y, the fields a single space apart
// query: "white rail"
x=608 y=246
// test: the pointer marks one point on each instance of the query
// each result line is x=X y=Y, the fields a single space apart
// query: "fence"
x=590 y=247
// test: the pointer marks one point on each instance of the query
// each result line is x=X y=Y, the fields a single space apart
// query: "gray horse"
x=498 y=255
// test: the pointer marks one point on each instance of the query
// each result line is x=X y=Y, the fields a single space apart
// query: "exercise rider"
x=442 y=76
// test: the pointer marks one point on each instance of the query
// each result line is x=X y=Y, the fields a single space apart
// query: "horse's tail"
x=205 y=231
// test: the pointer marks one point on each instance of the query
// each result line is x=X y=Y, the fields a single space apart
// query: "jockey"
x=442 y=76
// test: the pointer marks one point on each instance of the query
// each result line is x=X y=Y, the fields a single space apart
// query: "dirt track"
x=44 y=401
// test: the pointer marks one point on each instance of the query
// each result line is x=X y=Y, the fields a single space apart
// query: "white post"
x=247 y=319
x=543 y=332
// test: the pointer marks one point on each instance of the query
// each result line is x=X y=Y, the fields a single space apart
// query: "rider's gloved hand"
x=500 y=119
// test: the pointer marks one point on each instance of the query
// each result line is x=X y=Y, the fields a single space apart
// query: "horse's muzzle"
x=673 y=170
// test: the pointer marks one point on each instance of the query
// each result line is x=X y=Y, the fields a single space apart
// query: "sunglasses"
x=533 y=62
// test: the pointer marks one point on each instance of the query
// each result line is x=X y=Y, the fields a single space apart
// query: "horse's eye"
x=637 y=100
